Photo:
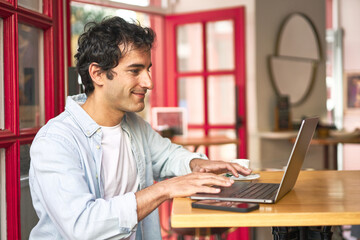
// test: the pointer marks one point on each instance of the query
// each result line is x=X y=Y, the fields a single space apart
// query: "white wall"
x=269 y=16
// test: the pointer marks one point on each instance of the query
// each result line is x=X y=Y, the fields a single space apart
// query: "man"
x=93 y=166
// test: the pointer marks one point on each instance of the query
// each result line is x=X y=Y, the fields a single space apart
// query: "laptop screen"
x=297 y=155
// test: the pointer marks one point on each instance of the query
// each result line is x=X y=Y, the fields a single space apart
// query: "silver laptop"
x=270 y=192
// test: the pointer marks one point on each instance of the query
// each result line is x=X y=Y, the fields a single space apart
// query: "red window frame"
x=50 y=21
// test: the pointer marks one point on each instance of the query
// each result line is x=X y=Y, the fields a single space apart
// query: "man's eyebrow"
x=138 y=65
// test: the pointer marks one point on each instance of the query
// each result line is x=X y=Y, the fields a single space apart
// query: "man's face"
x=126 y=91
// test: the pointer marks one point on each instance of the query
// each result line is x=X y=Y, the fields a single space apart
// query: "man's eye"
x=135 y=71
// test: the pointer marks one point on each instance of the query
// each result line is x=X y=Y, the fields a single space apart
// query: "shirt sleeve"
x=169 y=159
x=64 y=184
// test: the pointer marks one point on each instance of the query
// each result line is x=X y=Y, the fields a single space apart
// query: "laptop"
x=270 y=192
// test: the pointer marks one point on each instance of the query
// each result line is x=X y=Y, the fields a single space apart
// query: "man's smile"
x=140 y=94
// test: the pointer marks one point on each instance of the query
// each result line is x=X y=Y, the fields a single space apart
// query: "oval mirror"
x=297 y=54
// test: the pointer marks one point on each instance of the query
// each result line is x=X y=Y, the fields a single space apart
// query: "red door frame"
x=50 y=21
x=238 y=16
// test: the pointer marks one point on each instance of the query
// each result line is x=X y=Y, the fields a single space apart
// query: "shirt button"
x=97 y=146
x=99 y=130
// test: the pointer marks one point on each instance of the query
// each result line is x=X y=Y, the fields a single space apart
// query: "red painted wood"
x=49 y=73
x=36 y=19
x=158 y=69
x=59 y=58
x=214 y=15
x=48 y=7
x=4 y=7
x=6 y=136
x=68 y=33
x=12 y=171
x=12 y=124
x=240 y=62
x=10 y=73
x=12 y=136
x=170 y=36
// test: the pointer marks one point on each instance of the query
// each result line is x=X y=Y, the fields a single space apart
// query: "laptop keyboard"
x=257 y=191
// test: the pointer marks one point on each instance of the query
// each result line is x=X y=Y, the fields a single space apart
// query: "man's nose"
x=146 y=81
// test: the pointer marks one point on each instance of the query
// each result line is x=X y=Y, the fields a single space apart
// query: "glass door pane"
x=35 y=5
x=221 y=98
x=31 y=77
x=196 y=133
x=224 y=152
x=2 y=195
x=190 y=96
x=28 y=215
x=189 y=50
x=220 y=45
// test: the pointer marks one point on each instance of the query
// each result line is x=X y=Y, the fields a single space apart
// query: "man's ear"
x=96 y=74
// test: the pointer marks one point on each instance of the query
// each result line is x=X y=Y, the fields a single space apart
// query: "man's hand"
x=218 y=167
x=192 y=183
x=183 y=186
x=203 y=179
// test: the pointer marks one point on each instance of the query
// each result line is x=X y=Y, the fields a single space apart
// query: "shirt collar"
x=73 y=107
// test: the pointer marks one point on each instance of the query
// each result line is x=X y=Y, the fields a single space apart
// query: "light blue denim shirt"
x=65 y=180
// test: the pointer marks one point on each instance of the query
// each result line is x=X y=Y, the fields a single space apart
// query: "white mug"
x=243 y=162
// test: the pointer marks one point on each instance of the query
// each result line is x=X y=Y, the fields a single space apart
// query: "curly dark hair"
x=100 y=43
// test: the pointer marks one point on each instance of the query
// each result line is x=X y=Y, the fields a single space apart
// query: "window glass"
x=221 y=97
x=31 y=77
x=2 y=111
x=24 y=160
x=2 y=195
x=190 y=96
x=145 y=3
x=28 y=215
x=84 y=13
x=196 y=133
x=220 y=45
x=35 y=5
x=224 y=152
x=189 y=50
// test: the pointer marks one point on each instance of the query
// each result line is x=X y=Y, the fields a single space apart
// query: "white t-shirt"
x=118 y=167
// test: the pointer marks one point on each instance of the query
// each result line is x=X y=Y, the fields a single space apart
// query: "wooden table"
x=204 y=141
x=319 y=198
